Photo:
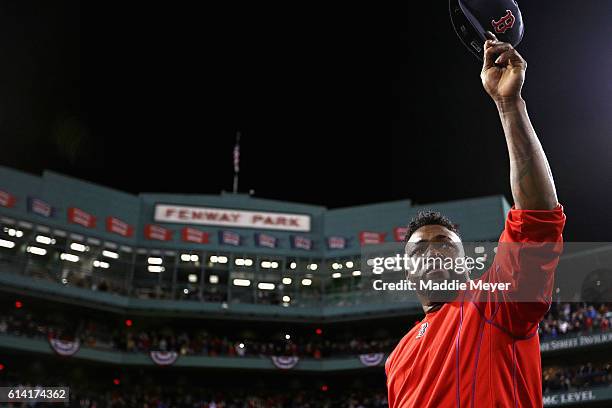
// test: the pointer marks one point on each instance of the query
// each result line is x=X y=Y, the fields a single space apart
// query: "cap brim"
x=466 y=32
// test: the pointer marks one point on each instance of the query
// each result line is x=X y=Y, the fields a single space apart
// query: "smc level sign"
x=231 y=218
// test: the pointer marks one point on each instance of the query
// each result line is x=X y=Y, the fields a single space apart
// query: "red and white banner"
x=7 y=199
x=157 y=233
x=64 y=347
x=372 y=359
x=117 y=226
x=371 y=238
x=399 y=233
x=285 y=362
x=78 y=216
x=195 y=235
x=231 y=218
x=164 y=358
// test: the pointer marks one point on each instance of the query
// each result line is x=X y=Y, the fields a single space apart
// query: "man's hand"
x=503 y=72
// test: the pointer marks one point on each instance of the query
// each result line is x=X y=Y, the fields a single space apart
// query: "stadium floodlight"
x=287 y=281
x=274 y=265
x=185 y=257
x=6 y=244
x=100 y=264
x=42 y=239
x=356 y=273
x=306 y=282
x=110 y=254
x=286 y=299
x=155 y=260
x=266 y=264
x=241 y=345
x=75 y=246
x=287 y=337
x=192 y=278
x=336 y=275
x=222 y=259
x=156 y=269
x=313 y=267
x=69 y=257
x=336 y=266
x=242 y=282
x=64 y=281
x=479 y=250
x=14 y=232
x=239 y=262
x=248 y=262
x=214 y=259
x=293 y=265
x=186 y=291
x=349 y=264
x=194 y=258
x=214 y=279
x=265 y=286
x=36 y=250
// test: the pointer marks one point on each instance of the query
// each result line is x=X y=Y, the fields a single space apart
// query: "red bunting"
x=157 y=233
x=7 y=199
x=371 y=238
x=194 y=235
x=117 y=226
x=78 y=216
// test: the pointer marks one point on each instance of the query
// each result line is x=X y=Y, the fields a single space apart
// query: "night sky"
x=337 y=107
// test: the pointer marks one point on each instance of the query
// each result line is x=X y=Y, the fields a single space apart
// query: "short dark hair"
x=429 y=217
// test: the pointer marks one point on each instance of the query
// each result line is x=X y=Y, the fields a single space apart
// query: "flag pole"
x=236 y=162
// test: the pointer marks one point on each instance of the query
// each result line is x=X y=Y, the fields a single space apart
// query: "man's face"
x=438 y=249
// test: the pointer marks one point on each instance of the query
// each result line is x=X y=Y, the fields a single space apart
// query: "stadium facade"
x=222 y=261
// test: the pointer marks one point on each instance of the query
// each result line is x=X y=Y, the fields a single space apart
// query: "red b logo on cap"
x=505 y=23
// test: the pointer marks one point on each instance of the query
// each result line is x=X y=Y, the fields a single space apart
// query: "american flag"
x=229 y=238
x=299 y=242
x=336 y=242
x=40 y=207
x=265 y=240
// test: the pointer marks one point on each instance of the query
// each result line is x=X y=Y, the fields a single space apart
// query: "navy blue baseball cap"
x=473 y=18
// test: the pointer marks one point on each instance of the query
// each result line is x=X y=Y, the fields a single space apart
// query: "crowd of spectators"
x=202 y=343
x=558 y=379
x=575 y=318
x=155 y=396
x=561 y=319
x=363 y=399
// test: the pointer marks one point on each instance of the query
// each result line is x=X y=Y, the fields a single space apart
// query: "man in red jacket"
x=479 y=349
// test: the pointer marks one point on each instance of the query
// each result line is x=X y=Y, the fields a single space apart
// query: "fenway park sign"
x=231 y=218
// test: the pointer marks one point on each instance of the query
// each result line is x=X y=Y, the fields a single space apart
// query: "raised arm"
x=531 y=180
